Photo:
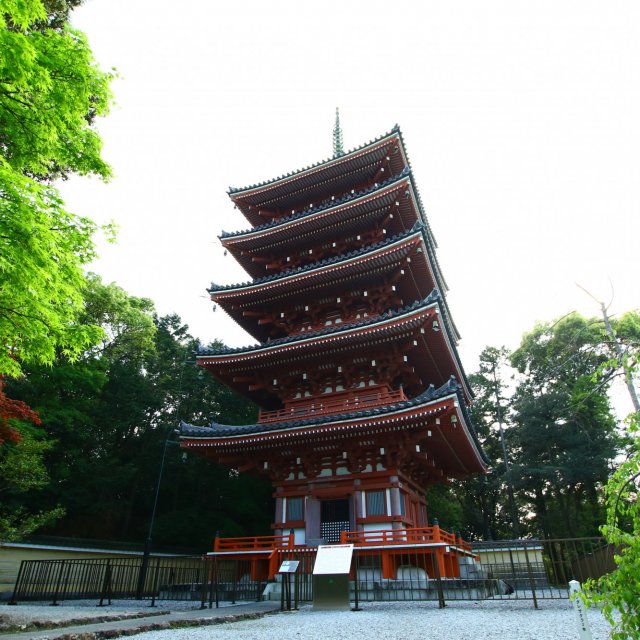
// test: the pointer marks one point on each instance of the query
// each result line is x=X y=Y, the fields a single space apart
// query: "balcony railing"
x=253 y=543
x=389 y=537
x=340 y=402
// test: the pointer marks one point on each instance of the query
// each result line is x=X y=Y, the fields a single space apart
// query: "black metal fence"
x=503 y=570
x=203 y=581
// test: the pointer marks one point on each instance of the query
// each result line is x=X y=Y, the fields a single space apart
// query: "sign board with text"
x=333 y=559
x=289 y=566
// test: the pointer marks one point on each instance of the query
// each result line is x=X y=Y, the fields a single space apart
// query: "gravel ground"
x=484 y=620
x=407 y=621
x=21 y=613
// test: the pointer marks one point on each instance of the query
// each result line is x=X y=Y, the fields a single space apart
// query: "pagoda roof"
x=430 y=300
x=319 y=221
x=387 y=323
x=430 y=398
x=313 y=211
x=356 y=263
x=303 y=185
x=396 y=243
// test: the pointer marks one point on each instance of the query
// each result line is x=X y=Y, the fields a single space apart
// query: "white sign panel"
x=333 y=559
x=289 y=566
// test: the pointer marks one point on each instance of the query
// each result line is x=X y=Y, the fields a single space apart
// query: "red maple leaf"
x=13 y=410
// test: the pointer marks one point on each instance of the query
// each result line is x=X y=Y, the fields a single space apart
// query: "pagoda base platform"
x=410 y=555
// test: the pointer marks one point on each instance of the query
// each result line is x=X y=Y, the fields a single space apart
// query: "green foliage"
x=50 y=92
x=41 y=276
x=560 y=434
x=22 y=470
x=484 y=498
x=110 y=413
x=617 y=592
x=443 y=506
x=564 y=432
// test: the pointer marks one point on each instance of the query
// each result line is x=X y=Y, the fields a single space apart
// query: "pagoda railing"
x=417 y=536
x=253 y=543
x=334 y=403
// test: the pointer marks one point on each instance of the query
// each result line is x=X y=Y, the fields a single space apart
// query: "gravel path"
x=24 y=614
x=408 y=621
x=484 y=620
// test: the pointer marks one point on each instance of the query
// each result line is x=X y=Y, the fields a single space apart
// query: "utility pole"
x=628 y=375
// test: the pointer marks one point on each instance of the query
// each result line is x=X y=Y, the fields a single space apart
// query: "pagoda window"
x=339 y=387
x=403 y=506
x=375 y=503
x=295 y=508
x=307 y=394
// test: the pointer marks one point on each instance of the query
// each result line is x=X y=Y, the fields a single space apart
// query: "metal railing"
x=503 y=570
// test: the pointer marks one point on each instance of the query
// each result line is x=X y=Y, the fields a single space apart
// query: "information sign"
x=333 y=559
x=289 y=566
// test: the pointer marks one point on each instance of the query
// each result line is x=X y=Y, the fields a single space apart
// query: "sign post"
x=286 y=569
x=584 y=629
x=331 y=577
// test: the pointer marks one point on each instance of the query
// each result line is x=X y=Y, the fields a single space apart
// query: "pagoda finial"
x=337 y=136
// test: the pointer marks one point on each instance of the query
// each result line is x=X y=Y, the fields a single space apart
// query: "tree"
x=91 y=406
x=564 y=434
x=50 y=92
x=110 y=413
x=617 y=592
x=488 y=506
x=21 y=468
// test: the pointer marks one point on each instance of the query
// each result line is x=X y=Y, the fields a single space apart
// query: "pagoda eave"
x=385 y=206
x=422 y=324
x=438 y=431
x=301 y=187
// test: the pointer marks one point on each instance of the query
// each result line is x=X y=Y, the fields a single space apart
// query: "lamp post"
x=147 y=543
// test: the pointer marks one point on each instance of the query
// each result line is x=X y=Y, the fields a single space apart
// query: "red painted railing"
x=390 y=537
x=255 y=543
x=383 y=537
x=340 y=402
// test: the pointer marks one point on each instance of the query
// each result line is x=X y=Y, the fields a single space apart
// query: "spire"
x=337 y=136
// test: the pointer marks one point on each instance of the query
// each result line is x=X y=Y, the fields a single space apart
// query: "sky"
x=521 y=121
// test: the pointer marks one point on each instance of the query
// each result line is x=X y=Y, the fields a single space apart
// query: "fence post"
x=441 y=603
x=281 y=591
x=217 y=572
x=156 y=586
x=55 y=594
x=205 y=582
x=18 y=585
x=235 y=582
x=105 y=582
x=532 y=582
x=213 y=589
x=355 y=590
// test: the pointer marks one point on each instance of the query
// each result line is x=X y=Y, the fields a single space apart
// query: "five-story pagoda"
x=362 y=394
